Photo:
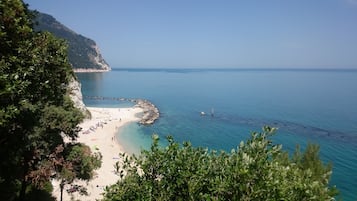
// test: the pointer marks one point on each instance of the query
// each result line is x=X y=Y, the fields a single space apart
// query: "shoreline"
x=90 y=70
x=99 y=134
x=150 y=112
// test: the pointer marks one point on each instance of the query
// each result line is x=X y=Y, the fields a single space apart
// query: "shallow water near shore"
x=306 y=105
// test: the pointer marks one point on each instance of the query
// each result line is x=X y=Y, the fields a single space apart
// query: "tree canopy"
x=256 y=170
x=36 y=112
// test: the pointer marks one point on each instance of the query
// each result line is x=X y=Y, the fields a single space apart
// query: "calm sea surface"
x=318 y=106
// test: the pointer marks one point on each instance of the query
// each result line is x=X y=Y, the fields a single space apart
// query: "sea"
x=306 y=105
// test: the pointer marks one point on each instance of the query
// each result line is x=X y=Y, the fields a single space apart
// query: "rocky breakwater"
x=151 y=113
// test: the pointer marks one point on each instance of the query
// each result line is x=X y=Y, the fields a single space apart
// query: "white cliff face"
x=98 y=59
x=75 y=94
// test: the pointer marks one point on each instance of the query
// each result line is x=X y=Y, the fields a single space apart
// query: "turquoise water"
x=318 y=106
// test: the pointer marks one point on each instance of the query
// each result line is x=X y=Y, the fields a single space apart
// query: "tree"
x=256 y=170
x=75 y=161
x=82 y=163
x=35 y=109
x=309 y=160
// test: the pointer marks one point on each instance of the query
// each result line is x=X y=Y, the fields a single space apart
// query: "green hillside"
x=82 y=52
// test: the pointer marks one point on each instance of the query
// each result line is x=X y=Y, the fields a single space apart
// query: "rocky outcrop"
x=98 y=59
x=75 y=93
x=151 y=113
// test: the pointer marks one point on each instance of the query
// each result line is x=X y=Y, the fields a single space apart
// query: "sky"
x=214 y=33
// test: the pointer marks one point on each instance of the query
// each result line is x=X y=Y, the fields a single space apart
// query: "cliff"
x=74 y=89
x=83 y=53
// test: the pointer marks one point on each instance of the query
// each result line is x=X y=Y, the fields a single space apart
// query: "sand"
x=99 y=134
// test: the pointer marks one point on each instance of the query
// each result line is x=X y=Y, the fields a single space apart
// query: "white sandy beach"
x=99 y=134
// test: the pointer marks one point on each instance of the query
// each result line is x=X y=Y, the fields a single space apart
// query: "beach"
x=99 y=134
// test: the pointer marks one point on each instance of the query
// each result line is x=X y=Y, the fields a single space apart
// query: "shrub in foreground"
x=256 y=170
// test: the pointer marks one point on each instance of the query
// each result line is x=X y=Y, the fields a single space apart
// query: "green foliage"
x=309 y=160
x=75 y=161
x=256 y=170
x=35 y=194
x=83 y=162
x=35 y=110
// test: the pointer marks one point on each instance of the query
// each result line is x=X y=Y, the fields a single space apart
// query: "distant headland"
x=83 y=53
x=89 y=70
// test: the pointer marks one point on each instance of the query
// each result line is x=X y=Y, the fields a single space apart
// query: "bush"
x=256 y=170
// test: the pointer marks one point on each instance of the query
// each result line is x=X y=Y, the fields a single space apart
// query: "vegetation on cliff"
x=82 y=52
x=36 y=112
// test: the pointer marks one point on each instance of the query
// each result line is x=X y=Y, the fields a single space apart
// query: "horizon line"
x=229 y=69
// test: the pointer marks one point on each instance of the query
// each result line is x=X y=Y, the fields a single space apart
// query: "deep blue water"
x=318 y=106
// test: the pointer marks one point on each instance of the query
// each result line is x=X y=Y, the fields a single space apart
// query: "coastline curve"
x=150 y=112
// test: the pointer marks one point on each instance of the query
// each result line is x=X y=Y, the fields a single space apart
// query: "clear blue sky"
x=215 y=33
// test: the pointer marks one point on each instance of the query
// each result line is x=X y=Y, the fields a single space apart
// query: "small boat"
x=212 y=112
x=203 y=113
